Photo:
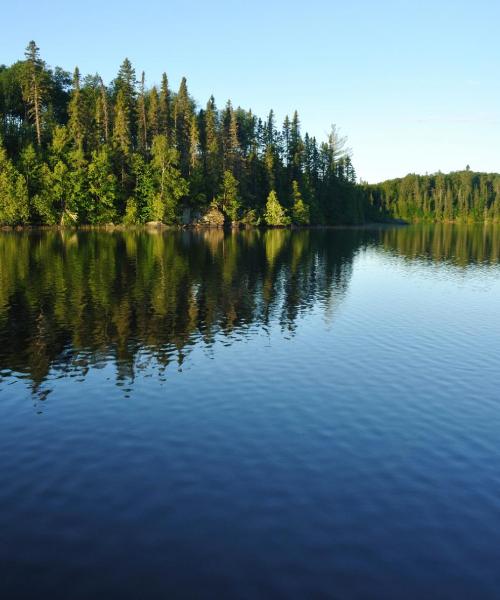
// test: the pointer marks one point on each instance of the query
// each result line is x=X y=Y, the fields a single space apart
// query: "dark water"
x=280 y=414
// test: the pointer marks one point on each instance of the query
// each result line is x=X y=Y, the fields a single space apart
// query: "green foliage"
x=463 y=196
x=300 y=210
x=169 y=184
x=228 y=199
x=13 y=193
x=275 y=214
x=91 y=153
x=103 y=188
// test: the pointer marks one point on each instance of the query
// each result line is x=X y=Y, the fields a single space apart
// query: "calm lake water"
x=257 y=414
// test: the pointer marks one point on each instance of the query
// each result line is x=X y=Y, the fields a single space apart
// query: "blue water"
x=242 y=415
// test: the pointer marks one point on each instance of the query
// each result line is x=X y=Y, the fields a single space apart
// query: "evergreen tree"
x=78 y=122
x=275 y=214
x=182 y=122
x=211 y=149
x=300 y=211
x=153 y=116
x=121 y=130
x=142 y=125
x=171 y=186
x=102 y=114
x=228 y=199
x=34 y=86
x=103 y=188
x=165 y=110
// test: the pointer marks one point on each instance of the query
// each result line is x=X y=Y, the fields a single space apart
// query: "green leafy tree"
x=13 y=193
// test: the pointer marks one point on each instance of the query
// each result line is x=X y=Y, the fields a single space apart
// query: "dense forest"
x=463 y=196
x=76 y=151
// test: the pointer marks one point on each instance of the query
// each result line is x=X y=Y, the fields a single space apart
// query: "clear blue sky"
x=415 y=85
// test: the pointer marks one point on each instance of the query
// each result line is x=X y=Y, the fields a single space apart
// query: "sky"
x=415 y=85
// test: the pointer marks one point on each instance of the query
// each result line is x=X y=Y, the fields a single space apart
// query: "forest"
x=463 y=196
x=76 y=151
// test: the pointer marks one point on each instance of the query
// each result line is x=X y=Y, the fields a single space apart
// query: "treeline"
x=74 y=150
x=463 y=196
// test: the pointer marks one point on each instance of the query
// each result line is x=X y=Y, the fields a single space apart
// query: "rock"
x=154 y=224
x=212 y=218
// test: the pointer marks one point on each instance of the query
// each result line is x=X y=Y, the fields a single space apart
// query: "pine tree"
x=34 y=87
x=142 y=125
x=165 y=110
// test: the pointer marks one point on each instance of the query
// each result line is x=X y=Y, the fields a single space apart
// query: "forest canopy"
x=77 y=151
x=463 y=196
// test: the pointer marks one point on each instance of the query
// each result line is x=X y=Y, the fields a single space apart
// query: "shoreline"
x=161 y=227
x=110 y=227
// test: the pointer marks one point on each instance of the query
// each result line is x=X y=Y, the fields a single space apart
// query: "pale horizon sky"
x=414 y=86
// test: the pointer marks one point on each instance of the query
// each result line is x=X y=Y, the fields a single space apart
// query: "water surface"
x=254 y=414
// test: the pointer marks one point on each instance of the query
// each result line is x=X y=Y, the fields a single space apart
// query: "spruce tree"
x=77 y=123
x=182 y=123
x=165 y=110
x=153 y=117
x=142 y=125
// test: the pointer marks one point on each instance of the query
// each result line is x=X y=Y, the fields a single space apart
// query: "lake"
x=280 y=414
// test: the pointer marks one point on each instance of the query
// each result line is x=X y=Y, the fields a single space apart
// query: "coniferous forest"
x=463 y=196
x=76 y=151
